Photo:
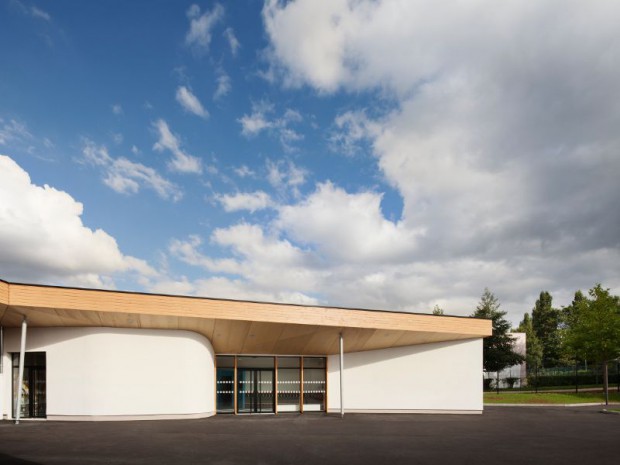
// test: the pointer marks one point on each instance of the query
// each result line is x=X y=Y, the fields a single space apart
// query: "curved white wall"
x=110 y=373
x=443 y=377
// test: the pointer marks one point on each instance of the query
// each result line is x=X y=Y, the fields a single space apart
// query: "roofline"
x=233 y=300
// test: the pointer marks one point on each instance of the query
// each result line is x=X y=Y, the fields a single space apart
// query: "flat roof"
x=233 y=326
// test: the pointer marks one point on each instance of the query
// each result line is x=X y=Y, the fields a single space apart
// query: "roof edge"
x=49 y=286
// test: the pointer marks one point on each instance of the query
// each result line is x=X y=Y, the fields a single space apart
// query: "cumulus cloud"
x=250 y=201
x=498 y=132
x=181 y=161
x=44 y=239
x=348 y=227
x=201 y=26
x=257 y=258
x=117 y=109
x=228 y=288
x=127 y=177
x=190 y=102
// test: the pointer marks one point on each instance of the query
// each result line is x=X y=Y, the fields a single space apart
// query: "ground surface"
x=549 y=435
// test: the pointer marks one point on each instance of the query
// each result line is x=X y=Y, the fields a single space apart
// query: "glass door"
x=33 y=387
x=225 y=384
x=255 y=390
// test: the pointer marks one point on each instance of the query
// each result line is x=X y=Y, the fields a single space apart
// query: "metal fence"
x=575 y=376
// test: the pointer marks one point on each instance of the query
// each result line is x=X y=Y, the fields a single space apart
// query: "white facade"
x=120 y=374
x=442 y=377
x=115 y=374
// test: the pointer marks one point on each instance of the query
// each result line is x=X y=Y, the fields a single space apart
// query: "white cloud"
x=259 y=120
x=348 y=228
x=233 y=42
x=226 y=288
x=250 y=201
x=498 y=152
x=43 y=238
x=201 y=26
x=244 y=171
x=127 y=177
x=39 y=13
x=181 y=161
x=117 y=109
x=13 y=131
x=254 y=123
x=258 y=257
x=118 y=138
x=190 y=102
x=223 y=85
x=351 y=129
x=285 y=174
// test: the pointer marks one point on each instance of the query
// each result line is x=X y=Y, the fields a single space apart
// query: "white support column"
x=1 y=349
x=22 y=356
x=341 y=370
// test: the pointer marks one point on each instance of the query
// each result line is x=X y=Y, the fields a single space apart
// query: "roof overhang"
x=233 y=326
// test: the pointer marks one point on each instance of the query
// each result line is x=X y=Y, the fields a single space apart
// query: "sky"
x=374 y=154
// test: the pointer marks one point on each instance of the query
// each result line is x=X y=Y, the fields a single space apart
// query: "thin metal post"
x=576 y=377
x=341 y=377
x=22 y=356
x=1 y=349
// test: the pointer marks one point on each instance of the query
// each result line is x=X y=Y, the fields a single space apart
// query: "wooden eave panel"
x=4 y=298
x=198 y=325
x=114 y=302
x=262 y=338
x=233 y=326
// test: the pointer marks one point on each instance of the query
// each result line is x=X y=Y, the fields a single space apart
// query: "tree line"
x=587 y=330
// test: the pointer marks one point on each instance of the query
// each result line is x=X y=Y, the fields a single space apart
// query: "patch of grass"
x=555 y=388
x=548 y=397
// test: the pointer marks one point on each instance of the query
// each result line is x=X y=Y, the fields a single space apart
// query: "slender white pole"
x=1 y=349
x=22 y=356
x=341 y=369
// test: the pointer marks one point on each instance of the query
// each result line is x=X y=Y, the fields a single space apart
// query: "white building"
x=109 y=355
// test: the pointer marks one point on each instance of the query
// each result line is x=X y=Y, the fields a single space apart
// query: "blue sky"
x=386 y=154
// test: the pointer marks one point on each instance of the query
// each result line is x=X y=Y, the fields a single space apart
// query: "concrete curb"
x=609 y=412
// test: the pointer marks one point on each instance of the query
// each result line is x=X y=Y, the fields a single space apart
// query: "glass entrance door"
x=255 y=390
x=33 y=388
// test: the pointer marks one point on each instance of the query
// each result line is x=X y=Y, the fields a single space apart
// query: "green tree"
x=437 y=310
x=533 y=347
x=546 y=324
x=593 y=329
x=497 y=349
x=568 y=311
x=566 y=316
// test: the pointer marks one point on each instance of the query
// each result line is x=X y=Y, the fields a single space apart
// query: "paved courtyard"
x=500 y=436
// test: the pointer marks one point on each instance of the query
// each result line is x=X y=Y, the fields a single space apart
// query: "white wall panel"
x=120 y=373
x=439 y=377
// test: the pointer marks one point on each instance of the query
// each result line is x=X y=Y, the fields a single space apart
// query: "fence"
x=580 y=375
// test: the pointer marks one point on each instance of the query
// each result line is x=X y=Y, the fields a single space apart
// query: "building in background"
x=514 y=376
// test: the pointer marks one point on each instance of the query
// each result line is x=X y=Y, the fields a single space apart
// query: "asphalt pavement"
x=547 y=435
